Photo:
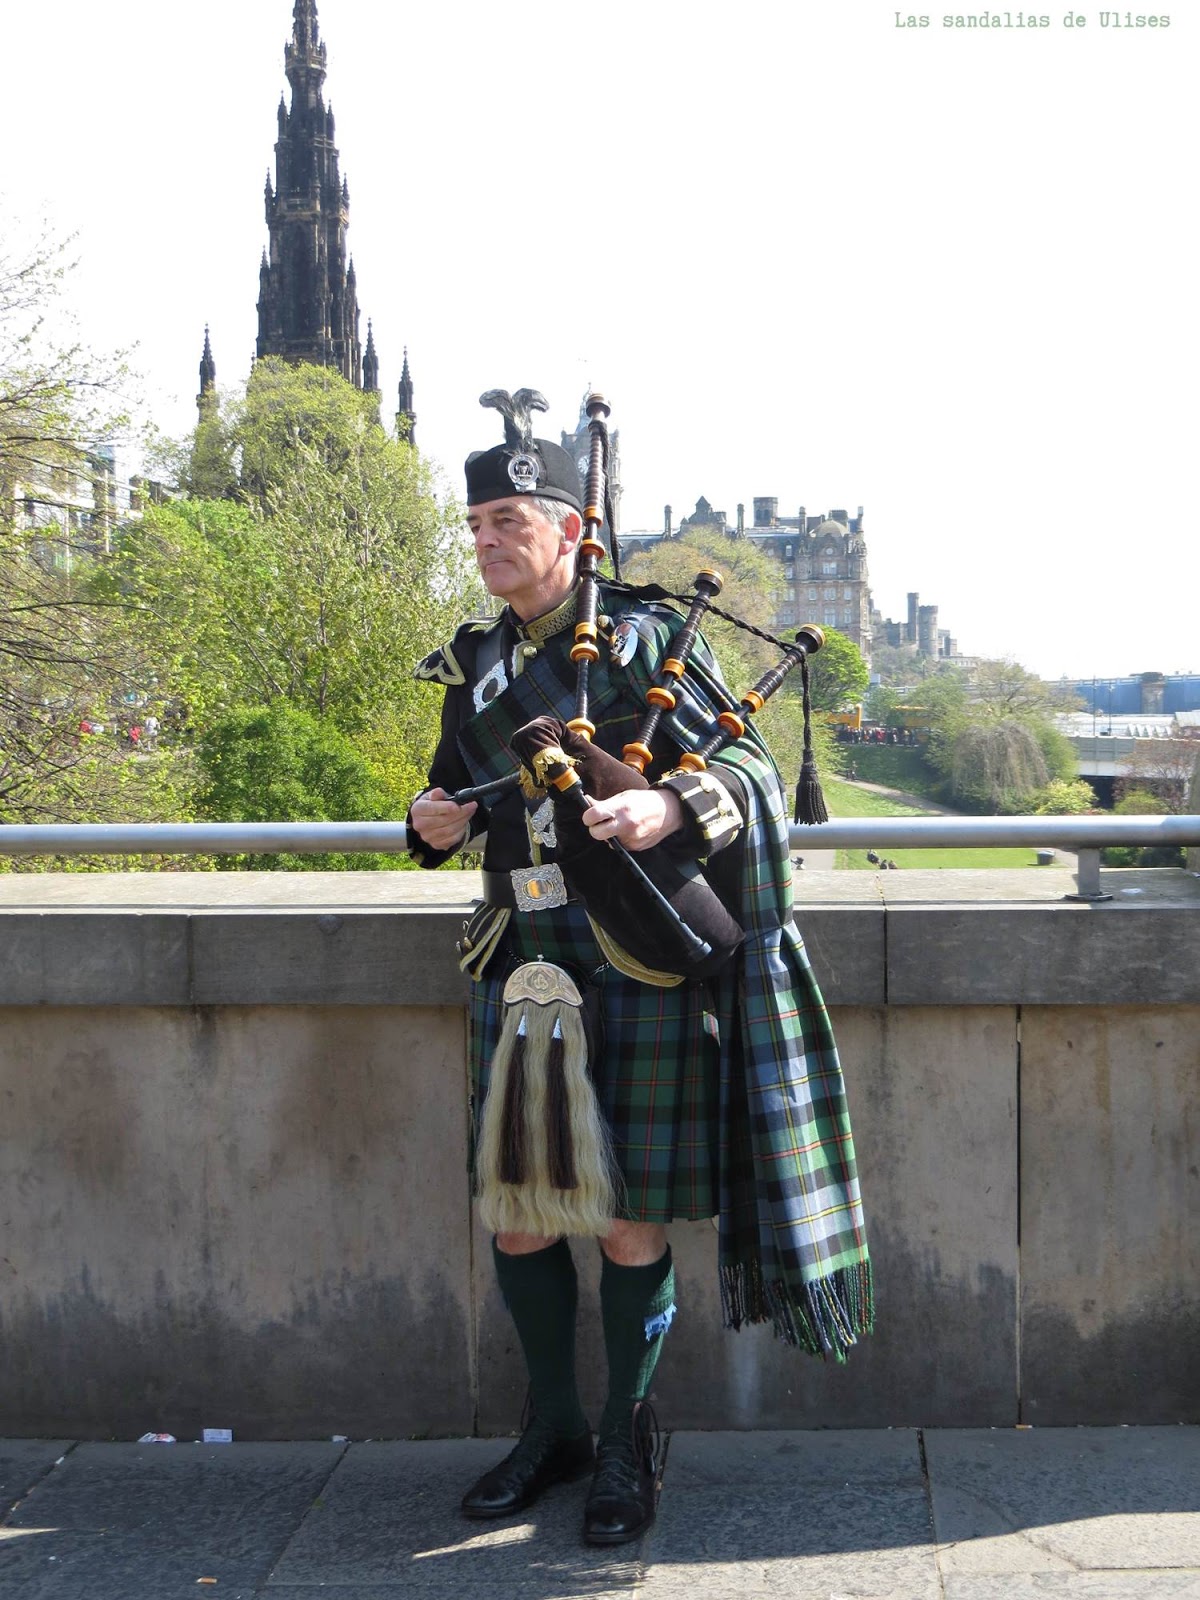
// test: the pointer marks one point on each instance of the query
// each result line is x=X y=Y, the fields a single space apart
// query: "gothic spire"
x=305 y=55
x=308 y=295
x=406 y=416
x=206 y=400
x=370 y=366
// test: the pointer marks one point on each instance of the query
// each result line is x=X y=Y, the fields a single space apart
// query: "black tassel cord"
x=810 y=802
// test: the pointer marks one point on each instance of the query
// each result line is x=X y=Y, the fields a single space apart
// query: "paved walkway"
x=919 y=801
x=1047 y=1514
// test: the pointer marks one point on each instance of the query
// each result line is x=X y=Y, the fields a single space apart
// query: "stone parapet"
x=234 y=1114
x=917 y=938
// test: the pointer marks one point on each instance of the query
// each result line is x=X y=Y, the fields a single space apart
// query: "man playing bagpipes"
x=647 y=1041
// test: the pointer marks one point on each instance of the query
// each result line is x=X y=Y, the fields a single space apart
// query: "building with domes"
x=822 y=561
x=823 y=573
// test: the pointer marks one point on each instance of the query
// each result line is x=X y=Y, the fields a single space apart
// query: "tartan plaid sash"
x=792 y=1243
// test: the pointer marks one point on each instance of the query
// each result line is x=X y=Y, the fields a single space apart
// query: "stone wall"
x=233 y=1148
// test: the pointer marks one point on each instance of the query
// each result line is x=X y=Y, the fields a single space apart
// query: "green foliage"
x=997 y=767
x=895 y=766
x=1141 y=803
x=901 y=666
x=318 y=585
x=61 y=655
x=1057 y=750
x=749 y=576
x=57 y=400
x=991 y=736
x=1003 y=691
x=838 y=673
x=282 y=764
x=1063 y=797
x=208 y=470
x=879 y=704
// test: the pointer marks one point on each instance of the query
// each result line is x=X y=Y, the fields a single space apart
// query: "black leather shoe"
x=621 y=1502
x=540 y=1459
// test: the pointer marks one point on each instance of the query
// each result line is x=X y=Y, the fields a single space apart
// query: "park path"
x=902 y=795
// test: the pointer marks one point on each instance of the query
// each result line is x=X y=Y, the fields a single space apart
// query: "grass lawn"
x=844 y=800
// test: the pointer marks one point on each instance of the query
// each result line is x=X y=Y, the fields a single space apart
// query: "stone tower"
x=307 y=300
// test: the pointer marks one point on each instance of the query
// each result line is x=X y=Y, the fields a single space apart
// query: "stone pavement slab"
x=1050 y=1514
x=1059 y=1505
x=810 y=1516
x=388 y=1523
x=118 y=1521
x=22 y=1463
x=1146 y=1584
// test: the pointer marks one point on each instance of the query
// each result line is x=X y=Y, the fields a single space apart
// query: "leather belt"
x=527 y=888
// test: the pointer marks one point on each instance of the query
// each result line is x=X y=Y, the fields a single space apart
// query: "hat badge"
x=523 y=470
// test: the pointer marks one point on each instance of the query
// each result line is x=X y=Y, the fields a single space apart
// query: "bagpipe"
x=655 y=905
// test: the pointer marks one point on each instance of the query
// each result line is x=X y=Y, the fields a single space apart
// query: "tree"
x=58 y=402
x=880 y=703
x=321 y=583
x=992 y=737
x=62 y=655
x=281 y=764
x=1162 y=767
x=1004 y=690
x=900 y=666
x=997 y=766
x=839 y=673
x=748 y=575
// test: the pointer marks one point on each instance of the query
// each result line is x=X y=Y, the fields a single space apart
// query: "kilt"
x=658 y=1074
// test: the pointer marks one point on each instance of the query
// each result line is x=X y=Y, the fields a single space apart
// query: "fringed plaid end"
x=825 y=1322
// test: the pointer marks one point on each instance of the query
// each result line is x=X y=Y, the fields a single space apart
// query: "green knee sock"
x=540 y=1293
x=637 y=1305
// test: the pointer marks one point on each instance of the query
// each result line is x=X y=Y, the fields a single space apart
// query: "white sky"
x=947 y=275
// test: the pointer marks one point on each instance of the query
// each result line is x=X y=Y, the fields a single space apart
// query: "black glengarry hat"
x=522 y=464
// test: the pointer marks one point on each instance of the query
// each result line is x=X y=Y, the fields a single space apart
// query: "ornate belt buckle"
x=539 y=888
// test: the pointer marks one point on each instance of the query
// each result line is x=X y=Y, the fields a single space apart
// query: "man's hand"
x=441 y=823
x=638 y=818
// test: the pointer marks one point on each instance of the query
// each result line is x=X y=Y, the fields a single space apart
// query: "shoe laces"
x=535 y=1433
x=535 y=1436
x=623 y=1459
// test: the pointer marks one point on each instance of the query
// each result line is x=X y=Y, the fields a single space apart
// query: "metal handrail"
x=311 y=838
x=1066 y=833
x=1084 y=835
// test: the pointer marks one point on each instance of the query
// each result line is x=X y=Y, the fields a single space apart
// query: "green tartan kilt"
x=658 y=1075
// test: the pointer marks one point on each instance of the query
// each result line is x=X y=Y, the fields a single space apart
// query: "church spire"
x=406 y=417
x=370 y=366
x=206 y=400
x=308 y=297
